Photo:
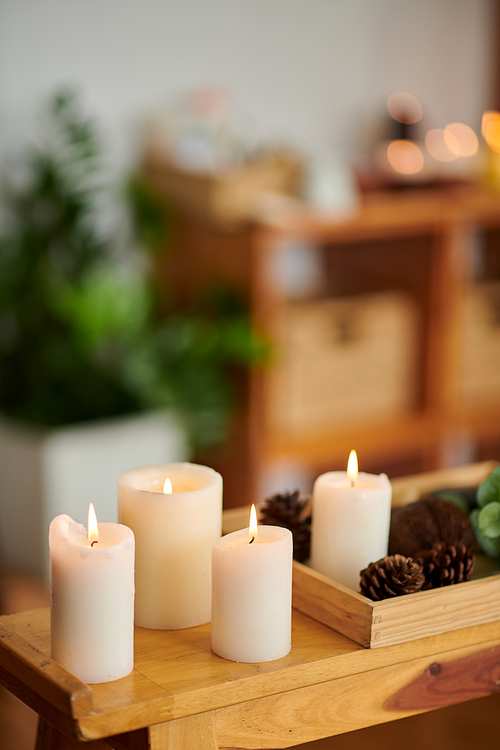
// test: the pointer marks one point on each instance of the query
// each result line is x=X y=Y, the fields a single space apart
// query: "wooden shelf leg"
x=185 y=734
x=50 y=738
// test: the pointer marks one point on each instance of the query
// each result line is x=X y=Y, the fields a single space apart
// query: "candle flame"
x=92 y=528
x=352 y=466
x=167 y=487
x=252 y=531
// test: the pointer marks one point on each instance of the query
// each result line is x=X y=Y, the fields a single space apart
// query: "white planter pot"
x=47 y=472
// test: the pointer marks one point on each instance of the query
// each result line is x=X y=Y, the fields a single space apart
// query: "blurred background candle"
x=92 y=598
x=252 y=594
x=175 y=511
x=350 y=522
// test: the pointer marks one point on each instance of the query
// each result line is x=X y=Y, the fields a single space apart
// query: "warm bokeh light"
x=404 y=108
x=352 y=466
x=92 y=528
x=167 y=487
x=405 y=157
x=490 y=116
x=490 y=128
x=252 y=530
x=437 y=145
x=461 y=139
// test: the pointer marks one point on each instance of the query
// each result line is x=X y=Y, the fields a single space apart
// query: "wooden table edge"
x=45 y=688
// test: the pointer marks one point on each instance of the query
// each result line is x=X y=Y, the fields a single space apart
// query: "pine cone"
x=287 y=510
x=427 y=522
x=391 y=576
x=444 y=565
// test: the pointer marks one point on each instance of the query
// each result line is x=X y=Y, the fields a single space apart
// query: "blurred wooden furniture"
x=416 y=243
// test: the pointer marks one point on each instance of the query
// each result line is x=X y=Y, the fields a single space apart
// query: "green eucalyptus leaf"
x=489 y=520
x=490 y=547
x=489 y=490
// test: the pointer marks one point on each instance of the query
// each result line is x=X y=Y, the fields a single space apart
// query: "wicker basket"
x=343 y=361
x=480 y=363
x=228 y=195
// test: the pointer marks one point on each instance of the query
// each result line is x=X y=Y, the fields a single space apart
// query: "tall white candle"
x=174 y=534
x=92 y=599
x=252 y=595
x=350 y=524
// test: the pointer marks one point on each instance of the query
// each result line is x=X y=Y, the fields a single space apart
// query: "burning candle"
x=252 y=594
x=351 y=514
x=175 y=511
x=92 y=598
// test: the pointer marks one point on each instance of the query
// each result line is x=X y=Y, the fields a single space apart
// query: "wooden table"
x=181 y=696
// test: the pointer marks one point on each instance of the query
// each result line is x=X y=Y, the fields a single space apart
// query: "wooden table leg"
x=185 y=734
x=50 y=738
x=181 y=734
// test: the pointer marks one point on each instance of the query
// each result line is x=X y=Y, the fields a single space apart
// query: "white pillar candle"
x=92 y=599
x=252 y=595
x=174 y=534
x=350 y=524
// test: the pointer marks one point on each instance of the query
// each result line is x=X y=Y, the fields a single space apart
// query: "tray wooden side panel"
x=332 y=604
x=436 y=611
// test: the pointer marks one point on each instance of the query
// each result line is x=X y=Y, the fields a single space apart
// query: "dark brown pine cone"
x=288 y=510
x=427 y=522
x=391 y=576
x=444 y=565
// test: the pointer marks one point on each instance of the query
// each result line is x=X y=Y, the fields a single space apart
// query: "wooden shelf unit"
x=416 y=241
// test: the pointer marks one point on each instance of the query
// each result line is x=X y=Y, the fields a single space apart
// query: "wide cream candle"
x=174 y=533
x=350 y=524
x=252 y=594
x=92 y=599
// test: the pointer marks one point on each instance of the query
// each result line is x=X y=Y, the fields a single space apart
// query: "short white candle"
x=174 y=534
x=92 y=599
x=252 y=595
x=350 y=524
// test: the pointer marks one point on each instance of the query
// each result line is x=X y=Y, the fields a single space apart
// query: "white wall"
x=314 y=72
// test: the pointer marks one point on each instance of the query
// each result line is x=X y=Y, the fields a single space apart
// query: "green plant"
x=486 y=518
x=81 y=336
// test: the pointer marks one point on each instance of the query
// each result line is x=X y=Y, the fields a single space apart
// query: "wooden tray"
x=405 y=618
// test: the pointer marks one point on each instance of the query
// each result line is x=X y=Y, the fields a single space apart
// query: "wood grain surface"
x=359 y=700
x=33 y=668
x=181 y=695
x=176 y=676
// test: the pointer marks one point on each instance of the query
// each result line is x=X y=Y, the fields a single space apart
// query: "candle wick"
x=352 y=483
x=251 y=540
x=96 y=541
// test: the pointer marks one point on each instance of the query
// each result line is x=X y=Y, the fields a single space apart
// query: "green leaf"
x=489 y=490
x=490 y=547
x=489 y=520
x=150 y=216
x=107 y=303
